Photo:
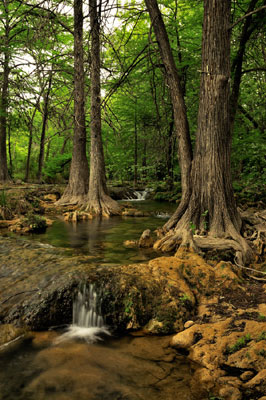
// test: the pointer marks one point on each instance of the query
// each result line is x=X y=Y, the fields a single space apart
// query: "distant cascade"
x=139 y=195
x=86 y=308
x=163 y=215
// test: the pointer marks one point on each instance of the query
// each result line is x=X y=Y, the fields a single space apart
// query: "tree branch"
x=253 y=70
x=52 y=14
x=138 y=59
x=247 y=15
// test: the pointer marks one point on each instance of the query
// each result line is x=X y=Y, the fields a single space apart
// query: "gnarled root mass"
x=185 y=238
x=247 y=248
x=70 y=200
x=88 y=207
x=102 y=205
x=75 y=216
x=74 y=194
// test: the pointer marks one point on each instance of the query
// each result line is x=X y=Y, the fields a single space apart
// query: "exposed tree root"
x=70 y=200
x=184 y=238
x=220 y=240
x=77 y=187
x=90 y=211
x=171 y=223
x=103 y=205
x=76 y=216
x=223 y=233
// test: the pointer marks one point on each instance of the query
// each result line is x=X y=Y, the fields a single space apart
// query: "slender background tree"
x=77 y=186
x=98 y=201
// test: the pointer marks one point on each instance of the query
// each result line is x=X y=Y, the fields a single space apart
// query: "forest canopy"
x=37 y=74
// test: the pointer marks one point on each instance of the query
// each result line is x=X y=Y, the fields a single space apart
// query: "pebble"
x=188 y=324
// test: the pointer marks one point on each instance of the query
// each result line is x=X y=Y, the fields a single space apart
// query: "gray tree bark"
x=210 y=206
x=77 y=187
x=4 y=176
x=98 y=202
x=44 y=126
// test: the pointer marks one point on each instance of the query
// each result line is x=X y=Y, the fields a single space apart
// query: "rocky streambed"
x=216 y=317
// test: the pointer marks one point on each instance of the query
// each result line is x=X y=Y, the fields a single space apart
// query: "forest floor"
x=217 y=308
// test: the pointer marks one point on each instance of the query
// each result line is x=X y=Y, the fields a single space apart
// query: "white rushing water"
x=86 y=308
x=139 y=195
x=163 y=215
x=88 y=323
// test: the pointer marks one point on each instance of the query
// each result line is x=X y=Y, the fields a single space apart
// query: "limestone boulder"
x=39 y=283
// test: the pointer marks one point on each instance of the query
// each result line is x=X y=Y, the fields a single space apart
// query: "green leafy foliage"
x=137 y=115
x=56 y=165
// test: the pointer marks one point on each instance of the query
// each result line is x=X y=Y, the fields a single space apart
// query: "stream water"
x=102 y=239
x=74 y=365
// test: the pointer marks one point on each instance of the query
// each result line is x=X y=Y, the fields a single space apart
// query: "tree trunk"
x=28 y=155
x=135 y=147
x=236 y=70
x=98 y=201
x=62 y=151
x=77 y=187
x=177 y=98
x=44 y=124
x=211 y=172
x=9 y=151
x=169 y=154
x=4 y=176
x=31 y=119
x=144 y=157
x=211 y=207
x=48 y=148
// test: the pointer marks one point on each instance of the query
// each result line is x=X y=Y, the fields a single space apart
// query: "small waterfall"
x=86 y=308
x=88 y=323
x=139 y=195
x=162 y=215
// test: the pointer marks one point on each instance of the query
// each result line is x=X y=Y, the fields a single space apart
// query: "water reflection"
x=102 y=238
x=131 y=368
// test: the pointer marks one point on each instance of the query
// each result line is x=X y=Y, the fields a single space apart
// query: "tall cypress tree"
x=210 y=204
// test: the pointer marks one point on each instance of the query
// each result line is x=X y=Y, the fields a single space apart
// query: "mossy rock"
x=34 y=223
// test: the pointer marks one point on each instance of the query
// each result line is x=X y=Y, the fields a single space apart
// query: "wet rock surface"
x=131 y=368
x=226 y=343
x=37 y=284
x=223 y=313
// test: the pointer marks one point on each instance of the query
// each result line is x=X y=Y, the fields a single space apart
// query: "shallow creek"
x=40 y=366
x=102 y=238
x=129 y=368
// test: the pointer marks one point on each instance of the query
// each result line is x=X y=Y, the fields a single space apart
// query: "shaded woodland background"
x=137 y=117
